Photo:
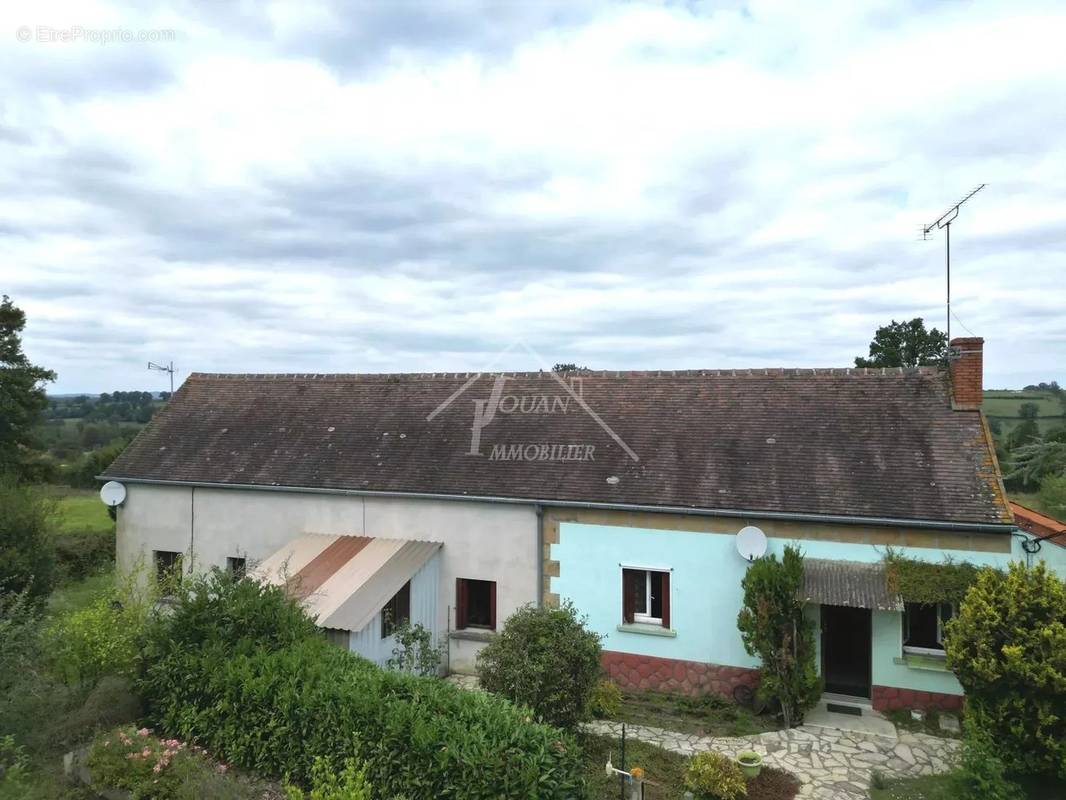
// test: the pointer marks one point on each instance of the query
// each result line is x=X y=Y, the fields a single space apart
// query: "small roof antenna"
x=944 y=221
x=164 y=368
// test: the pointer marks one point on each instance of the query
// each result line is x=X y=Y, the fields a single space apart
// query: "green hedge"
x=275 y=710
x=240 y=669
x=80 y=554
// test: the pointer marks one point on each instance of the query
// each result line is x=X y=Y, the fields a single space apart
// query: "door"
x=846 y=647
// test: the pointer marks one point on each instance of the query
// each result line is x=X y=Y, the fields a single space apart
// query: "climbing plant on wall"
x=929 y=582
x=774 y=628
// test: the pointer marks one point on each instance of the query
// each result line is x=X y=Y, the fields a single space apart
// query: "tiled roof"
x=848 y=583
x=876 y=443
x=1039 y=524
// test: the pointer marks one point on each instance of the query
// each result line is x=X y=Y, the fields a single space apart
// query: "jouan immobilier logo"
x=503 y=400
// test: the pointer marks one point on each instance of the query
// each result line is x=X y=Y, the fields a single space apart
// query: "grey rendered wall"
x=486 y=541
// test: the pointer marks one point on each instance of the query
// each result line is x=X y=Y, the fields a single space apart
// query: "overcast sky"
x=394 y=186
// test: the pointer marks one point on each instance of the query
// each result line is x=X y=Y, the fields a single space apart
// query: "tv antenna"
x=944 y=222
x=164 y=368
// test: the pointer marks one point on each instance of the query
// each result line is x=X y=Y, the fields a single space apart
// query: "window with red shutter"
x=475 y=604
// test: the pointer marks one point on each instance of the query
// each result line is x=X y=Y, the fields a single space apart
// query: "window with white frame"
x=646 y=596
x=923 y=627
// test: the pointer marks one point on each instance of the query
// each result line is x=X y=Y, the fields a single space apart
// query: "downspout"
x=540 y=555
x=192 y=529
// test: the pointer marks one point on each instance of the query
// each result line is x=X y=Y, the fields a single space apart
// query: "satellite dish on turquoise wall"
x=751 y=543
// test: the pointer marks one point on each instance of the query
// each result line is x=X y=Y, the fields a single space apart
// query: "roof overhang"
x=343 y=581
x=848 y=583
x=897 y=522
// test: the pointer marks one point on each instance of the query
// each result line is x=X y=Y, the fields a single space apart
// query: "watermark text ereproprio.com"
x=73 y=34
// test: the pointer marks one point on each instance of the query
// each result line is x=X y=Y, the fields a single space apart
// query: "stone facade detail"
x=632 y=671
x=890 y=698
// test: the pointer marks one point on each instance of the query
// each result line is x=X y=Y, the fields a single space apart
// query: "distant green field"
x=80 y=510
x=1002 y=405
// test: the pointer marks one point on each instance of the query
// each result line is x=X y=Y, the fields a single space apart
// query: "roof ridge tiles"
x=734 y=372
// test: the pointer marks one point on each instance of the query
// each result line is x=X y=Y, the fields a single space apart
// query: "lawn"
x=80 y=510
x=942 y=787
x=664 y=772
x=708 y=715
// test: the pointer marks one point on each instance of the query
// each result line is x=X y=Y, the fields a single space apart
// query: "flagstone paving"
x=830 y=764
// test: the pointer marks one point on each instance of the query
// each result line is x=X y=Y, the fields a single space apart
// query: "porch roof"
x=344 y=581
x=848 y=583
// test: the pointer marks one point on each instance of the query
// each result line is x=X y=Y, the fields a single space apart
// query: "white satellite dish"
x=751 y=543
x=112 y=493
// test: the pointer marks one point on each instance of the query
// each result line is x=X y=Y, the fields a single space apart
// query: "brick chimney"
x=966 y=363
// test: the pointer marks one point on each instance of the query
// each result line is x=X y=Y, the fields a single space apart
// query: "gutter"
x=897 y=522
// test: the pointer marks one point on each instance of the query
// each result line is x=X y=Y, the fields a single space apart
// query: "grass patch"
x=80 y=510
x=707 y=715
x=944 y=787
x=664 y=772
x=80 y=594
x=902 y=718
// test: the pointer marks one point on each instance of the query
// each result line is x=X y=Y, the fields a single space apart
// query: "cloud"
x=407 y=186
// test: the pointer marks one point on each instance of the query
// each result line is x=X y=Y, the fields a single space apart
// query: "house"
x=1039 y=525
x=452 y=500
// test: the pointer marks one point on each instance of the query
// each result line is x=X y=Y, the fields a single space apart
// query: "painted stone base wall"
x=631 y=671
x=889 y=698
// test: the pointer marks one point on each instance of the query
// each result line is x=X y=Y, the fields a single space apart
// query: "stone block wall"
x=890 y=698
x=632 y=671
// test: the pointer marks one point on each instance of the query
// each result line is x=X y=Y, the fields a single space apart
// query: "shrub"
x=415 y=652
x=606 y=700
x=132 y=759
x=215 y=608
x=712 y=775
x=83 y=553
x=326 y=784
x=276 y=699
x=103 y=638
x=546 y=659
x=774 y=628
x=111 y=702
x=161 y=769
x=982 y=775
x=1006 y=646
x=27 y=558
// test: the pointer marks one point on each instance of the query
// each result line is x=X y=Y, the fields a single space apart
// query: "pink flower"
x=222 y=767
x=158 y=767
x=146 y=752
x=143 y=732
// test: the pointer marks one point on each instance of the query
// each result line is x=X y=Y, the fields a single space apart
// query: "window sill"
x=928 y=663
x=473 y=634
x=646 y=629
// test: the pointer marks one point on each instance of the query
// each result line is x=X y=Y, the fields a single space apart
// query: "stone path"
x=831 y=764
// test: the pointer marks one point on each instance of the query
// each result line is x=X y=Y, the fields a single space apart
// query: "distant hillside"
x=1003 y=407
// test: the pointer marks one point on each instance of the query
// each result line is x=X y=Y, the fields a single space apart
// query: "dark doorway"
x=846 y=649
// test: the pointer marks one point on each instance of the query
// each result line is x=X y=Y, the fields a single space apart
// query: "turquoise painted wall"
x=705 y=592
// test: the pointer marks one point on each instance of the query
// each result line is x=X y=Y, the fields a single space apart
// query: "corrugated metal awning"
x=848 y=583
x=345 y=580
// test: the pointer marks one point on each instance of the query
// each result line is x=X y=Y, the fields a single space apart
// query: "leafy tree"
x=774 y=628
x=22 y=398
x=1038 y=458
x=27 y=559
x=905 y=344
x=1053 y=495
x=544 y=658
x=569 y=366
x=1007 y=647
x=1028 y=411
